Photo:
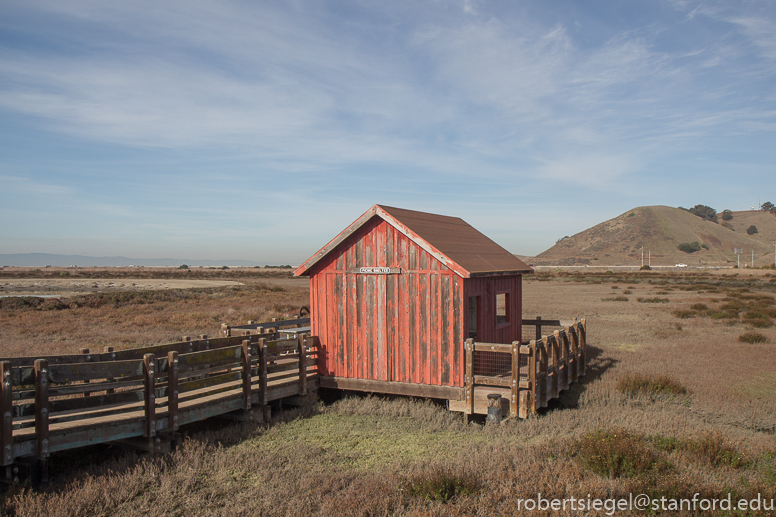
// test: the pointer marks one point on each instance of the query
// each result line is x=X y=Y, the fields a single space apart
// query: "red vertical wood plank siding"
x=487 y=288
x=406 y=328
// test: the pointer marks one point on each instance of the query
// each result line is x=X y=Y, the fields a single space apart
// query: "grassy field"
x=677 y=400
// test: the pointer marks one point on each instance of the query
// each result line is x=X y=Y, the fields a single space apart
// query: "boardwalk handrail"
x=538 y=370
x=56 y=403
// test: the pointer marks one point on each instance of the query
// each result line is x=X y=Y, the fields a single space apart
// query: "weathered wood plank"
x=279 y=346
x=205 y=383
x=486 y=380
x=492 y=347
x=69 y=373
x=209 y=358
x=391 y=388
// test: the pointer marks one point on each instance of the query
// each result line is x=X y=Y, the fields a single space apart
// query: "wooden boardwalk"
x=526 y=375
x=142 y=396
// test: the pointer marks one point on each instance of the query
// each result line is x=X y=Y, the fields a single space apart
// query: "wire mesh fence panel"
x=529 y=332
x=492 y=364
x=523 y=367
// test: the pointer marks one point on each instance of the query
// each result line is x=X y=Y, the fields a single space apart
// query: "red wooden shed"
x=394 y=296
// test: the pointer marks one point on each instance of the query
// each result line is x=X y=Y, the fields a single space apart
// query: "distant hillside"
x=48 y=259
x=661 y=229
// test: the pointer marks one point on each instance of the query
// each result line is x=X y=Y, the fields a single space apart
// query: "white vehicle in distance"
x=681 y=265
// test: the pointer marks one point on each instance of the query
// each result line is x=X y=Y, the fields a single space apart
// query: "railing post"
x=515 y=394
x=246 y=374
x=149 y=391
x=469 y=390
x=263 y=371
x=109 y=350
x=582 y=361
x=541 y=397
x=7 y=403
x=532 y=390
x=42 y=418
x=574 y=354
x=85 y=351
x=172 y=389
x=302 y=365
x=554 y=389
x=226 y=330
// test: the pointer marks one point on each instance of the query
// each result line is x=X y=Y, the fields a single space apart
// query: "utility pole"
x=649 y=258
x=642 y=256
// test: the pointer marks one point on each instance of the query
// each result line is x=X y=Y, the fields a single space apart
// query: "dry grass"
x=372 y=456
x=140 y=318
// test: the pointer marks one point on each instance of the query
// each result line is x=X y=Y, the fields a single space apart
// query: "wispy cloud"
x=467 y=99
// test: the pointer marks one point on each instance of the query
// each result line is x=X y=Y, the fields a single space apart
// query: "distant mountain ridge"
x=49 y=259
x=660 y=230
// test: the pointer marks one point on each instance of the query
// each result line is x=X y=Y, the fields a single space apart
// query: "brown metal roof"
x=450 y=239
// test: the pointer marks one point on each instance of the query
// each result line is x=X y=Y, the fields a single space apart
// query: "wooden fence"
x=56 y=403
x=528 y=374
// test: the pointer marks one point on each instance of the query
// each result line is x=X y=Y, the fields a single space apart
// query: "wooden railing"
x=533 y=373
x=56 y=403
x=270 y=329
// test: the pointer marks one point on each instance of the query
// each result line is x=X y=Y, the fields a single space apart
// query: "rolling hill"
x=660 y=230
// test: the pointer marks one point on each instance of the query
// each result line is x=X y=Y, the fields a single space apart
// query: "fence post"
x=41 y=419
x=246 y=374
x=302 y=365
x=538 y=328
x=7 y=402
x=469 y=347
x=149 y=385
x=515 y=378
x=172 y=389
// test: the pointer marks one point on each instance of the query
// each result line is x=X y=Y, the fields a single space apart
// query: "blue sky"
x=259 y=130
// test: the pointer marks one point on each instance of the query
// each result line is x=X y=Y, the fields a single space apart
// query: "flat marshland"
x=679 y=398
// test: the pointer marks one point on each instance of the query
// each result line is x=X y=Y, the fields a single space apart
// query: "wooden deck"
x=526 y=375
x=56 y=403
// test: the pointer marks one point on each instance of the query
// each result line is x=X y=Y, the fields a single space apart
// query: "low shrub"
x=645 y=268
x=617 y=454
x=652 y=300
x=615 y=299
x=684 y=313
x=632 y=384
x=714 y=449
x=699 y=307
x=441 y=485
x=752 y=338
